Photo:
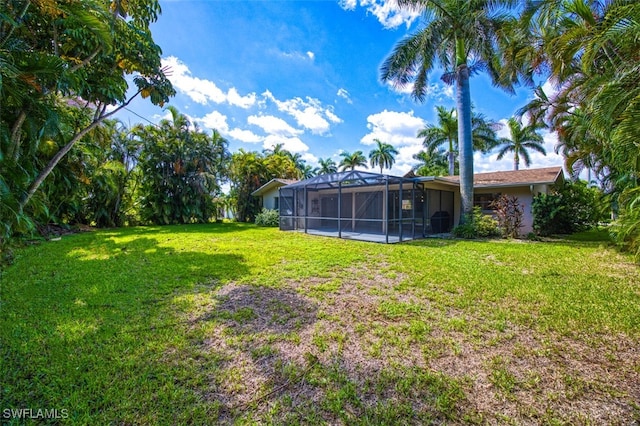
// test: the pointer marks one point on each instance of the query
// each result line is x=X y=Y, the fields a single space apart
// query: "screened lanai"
x=365 y=206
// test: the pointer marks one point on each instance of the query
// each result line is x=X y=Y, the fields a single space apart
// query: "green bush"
x=570 y=208
x=268 y=218
x=478 y=225
x=625 y=231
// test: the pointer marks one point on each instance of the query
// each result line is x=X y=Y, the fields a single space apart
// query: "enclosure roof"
x=350 y=177
x=272 y=184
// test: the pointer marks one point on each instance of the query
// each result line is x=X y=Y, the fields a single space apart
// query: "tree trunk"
x=465 y=143
x=65 y=149
x=452 y=162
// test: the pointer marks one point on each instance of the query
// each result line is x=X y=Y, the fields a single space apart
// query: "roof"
x=271 y=185
x=346 y=178
x=543 y=176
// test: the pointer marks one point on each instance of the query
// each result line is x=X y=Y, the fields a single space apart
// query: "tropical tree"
x=352 y=160
x=383 y=155
x=65 y=69
x=246 y=174
x=522 y=140
x=444 y=133
x=590 y=49
x=327 y=166
x=182 y=169
x=431 y=164
x=462 y=37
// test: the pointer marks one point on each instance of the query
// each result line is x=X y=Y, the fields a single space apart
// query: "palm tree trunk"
x=452 y=162
x=465 y=144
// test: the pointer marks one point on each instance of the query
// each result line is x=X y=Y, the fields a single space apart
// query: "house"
x=383 y=208
x=269 y=193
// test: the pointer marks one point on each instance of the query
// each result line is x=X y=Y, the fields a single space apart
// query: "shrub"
x=268 y=218
x=570 y=208
x=626 y=229
x=509 y=213
x=477 y=226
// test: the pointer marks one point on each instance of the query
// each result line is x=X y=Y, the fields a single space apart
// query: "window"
x=276 y=203
x=485 y=200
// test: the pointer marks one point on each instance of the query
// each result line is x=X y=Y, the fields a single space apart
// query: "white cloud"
x=345 y=95
x=310 y=159
x=274 y=126
x=202 y=91
x=311 y=55
x=291 y=144
x=245 y=102
x=310 y=114
x=386 y=11
x=214 y=120
x=245 y=136
x=398 y=129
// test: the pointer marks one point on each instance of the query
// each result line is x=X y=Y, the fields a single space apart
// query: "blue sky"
x=306 y=74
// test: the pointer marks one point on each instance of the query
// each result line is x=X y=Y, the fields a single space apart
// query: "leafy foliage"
x=626 y=229
x=181 y=171
x=570 y=208
x=268 y=217
x=383 y=155
x=478 y=225
x=64 y=69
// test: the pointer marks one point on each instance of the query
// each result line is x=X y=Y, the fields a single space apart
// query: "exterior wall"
x=524 y=197
x=269 y=199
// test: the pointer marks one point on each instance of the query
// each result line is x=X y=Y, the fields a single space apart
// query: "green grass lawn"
x=230 y=323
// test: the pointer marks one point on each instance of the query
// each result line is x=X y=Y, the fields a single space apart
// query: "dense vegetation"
x=62 y=160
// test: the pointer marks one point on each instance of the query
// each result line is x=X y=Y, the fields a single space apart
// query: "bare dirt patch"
x=279 y=343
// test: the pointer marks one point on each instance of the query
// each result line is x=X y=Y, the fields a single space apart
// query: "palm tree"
x=327 y=166
x=384 y=155
x=483 y=133
x=463 y=37
x=446 y=132
x=430 y=164
x=523 y=139
x=351 y=161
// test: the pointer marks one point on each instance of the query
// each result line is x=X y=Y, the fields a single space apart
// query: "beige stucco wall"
x=523 y=194
x=269 y=199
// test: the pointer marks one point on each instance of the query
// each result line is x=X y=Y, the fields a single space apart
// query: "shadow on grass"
x=275 y=366
x=85 y=327
x=132 y=332
x=201 y=228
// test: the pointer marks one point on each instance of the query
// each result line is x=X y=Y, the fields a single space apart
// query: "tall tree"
x=65 y=69
x=431 y=164
x=383 y=155
x=445 y=132
x=327 y=166
x=352 y=160
x=522 y=140
x=182 y=168
x=463 y=37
